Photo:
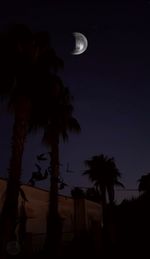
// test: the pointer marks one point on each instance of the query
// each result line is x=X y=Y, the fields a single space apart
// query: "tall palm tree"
x=26 y=60
x=60 y=123
x=103 y=172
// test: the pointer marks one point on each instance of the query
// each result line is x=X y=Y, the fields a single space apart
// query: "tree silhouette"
x=26 y=64
x=102 y=171
x=144 y=183
x=60 y=122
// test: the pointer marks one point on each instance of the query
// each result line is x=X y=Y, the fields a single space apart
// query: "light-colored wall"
x=37 y=206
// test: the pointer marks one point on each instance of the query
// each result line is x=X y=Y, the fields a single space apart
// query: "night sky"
x=110 y=83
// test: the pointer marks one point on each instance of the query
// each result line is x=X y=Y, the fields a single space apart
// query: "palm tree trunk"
x=103 y=195
x=103 y=203
x=10 y=208
x=53 y=220
x=111 y=194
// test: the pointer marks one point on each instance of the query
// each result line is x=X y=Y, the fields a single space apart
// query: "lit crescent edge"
x=84 y=40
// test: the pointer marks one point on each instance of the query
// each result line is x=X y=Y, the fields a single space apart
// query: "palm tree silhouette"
x=60 y=122
x=26 y=63
x=102 y=171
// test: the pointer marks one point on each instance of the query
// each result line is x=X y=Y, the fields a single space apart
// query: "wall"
x=86 y=212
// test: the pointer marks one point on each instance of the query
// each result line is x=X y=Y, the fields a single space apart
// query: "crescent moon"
x=81 y=43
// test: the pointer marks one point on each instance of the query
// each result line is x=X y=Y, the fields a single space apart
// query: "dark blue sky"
x=110 y=82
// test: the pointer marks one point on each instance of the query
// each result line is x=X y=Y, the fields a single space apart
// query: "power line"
x=126 y=190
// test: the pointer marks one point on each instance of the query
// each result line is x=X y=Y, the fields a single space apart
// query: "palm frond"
x=103 y=172
x=119 y=184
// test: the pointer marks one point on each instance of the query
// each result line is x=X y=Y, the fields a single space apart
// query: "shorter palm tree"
x=103 y=172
